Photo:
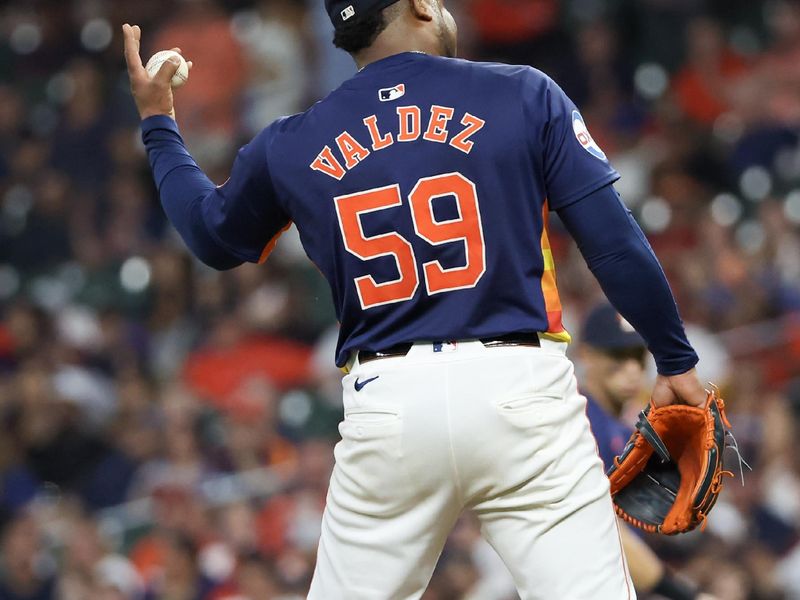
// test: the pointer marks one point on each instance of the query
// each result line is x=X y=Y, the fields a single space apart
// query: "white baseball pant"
x=501 y=431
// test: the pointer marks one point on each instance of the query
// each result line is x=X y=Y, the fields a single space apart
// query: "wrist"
x=676 y=366
x=146 y=114
x=159 y=128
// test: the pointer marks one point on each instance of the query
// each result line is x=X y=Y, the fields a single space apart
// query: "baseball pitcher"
x=421 y=190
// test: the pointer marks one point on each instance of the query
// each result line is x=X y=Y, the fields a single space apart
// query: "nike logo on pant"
x=359 y=385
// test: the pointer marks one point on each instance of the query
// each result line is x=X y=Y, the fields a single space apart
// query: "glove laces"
x=729 y=434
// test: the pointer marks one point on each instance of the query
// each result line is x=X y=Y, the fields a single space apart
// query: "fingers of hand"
x=695 y=393
x=132 y=58
x=167 y=71
x=189 y=63
x=686 y=388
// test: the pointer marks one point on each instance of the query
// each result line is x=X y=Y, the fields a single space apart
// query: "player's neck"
x=378 y=52
x=366 y=64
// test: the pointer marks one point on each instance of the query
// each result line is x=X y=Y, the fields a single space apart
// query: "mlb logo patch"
x=445 y=346
x=392 y=93
x=348 y=13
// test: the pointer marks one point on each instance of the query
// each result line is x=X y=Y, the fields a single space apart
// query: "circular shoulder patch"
x=584 y=137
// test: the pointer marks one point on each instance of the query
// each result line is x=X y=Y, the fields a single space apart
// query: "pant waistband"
x=510 y=339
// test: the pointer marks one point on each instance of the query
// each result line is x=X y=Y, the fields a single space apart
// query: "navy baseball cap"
x=342 y=12
x=606 y=330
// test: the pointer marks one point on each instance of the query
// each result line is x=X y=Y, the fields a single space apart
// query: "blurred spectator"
x=88 y=566
x=167 y=431
x=46 y=218
x=704 y=85
x=232 y=356
x=293 y=519
x=778 y=66
x=26 y=573
x=81 y=138
x=522 y=32
x=12 y=117
x=274 y=43
x=180 y=578
x=208 y=115
x=254 y=578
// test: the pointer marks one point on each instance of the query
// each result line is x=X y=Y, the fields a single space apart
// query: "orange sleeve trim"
x=271 y=244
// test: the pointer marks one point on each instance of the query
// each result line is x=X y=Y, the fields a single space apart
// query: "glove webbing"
x=648 y=433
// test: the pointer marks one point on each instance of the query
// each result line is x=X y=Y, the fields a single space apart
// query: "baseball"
x=155 y=62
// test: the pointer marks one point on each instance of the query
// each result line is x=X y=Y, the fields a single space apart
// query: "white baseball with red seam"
x=155 y=62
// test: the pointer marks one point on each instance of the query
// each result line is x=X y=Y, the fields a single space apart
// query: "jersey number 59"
x=466 y=228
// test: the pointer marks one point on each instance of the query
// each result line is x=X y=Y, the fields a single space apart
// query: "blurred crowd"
x=166 y=430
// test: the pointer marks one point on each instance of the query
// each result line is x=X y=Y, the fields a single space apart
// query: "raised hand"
x=153 y=95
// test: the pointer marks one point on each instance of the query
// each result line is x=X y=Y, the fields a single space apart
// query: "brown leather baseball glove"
x=670 y=473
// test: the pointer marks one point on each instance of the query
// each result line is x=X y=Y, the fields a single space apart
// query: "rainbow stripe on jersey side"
x=552 y=301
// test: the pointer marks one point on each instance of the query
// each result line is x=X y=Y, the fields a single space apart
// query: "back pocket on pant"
x=531 y=410
x=369 y=458
x=367 y=421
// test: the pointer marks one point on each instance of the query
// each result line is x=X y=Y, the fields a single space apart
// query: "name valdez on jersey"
x=409 y=129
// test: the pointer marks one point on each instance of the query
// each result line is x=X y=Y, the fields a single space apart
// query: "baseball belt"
x=509 y=339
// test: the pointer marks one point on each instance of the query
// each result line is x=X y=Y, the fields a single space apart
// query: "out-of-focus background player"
x=612 y=358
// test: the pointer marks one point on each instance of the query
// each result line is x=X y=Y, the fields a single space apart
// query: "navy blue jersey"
x=611 y=434
x=420 y=189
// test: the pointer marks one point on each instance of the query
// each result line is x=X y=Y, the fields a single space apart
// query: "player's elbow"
x=624 y=251
x=217 y=260
x=198 y=238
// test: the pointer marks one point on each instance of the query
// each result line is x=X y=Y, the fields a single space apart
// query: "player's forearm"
x=182 y=187
x=631 y=277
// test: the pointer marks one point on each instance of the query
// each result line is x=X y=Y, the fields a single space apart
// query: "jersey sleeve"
x=621 y=259
x=244 y=214
x=573 y=164
x=222 y=225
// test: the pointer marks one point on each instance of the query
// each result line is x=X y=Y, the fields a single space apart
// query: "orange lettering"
x=437 y=127
x=352 y=151
x=467 y=228
x=326 y=163
x=378 y=142
x=473 y=126
x=371 y=293
x=410 y=117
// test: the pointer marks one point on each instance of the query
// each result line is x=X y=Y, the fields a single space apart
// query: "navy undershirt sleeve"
x=624 y=264
x=225 y=225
